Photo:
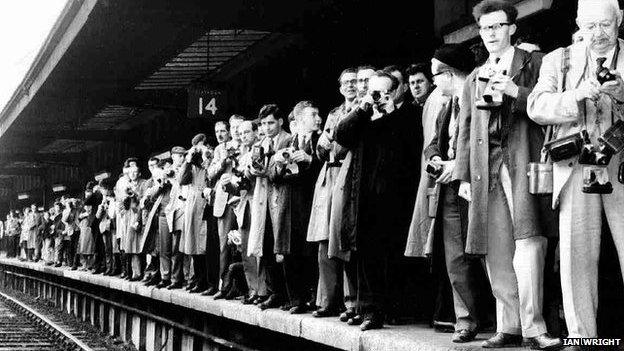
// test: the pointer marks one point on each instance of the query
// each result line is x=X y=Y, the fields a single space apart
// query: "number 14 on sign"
x=211 y=106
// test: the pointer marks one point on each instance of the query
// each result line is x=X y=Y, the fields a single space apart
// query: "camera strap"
x=552 y=131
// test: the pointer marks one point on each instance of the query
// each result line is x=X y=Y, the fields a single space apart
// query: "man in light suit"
x=496 y=141
x=172 y=261
x=265 y=211
x=223 y=209
x=574 y=101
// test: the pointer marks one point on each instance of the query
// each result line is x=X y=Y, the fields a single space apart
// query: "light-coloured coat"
x=548 y=103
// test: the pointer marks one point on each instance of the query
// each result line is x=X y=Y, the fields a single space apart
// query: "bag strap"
x=552 y=131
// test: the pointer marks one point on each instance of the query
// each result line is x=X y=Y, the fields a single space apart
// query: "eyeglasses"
x=493 y=27
x=349 y=82
x=590 y=26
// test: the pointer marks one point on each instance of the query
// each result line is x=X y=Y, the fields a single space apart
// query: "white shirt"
x=504 y=63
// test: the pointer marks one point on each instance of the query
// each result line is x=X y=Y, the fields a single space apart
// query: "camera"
x=603 y=74
x=130 y=192
x=434 y=170
x=257 y=157
x=487 y=97
x=567 y=147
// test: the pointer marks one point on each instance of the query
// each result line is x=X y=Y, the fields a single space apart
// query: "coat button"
x=570 y=164
x=478 y=177
x=574 y=124
x=480 y=141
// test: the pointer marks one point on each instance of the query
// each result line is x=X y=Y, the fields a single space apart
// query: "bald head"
x=599 y=21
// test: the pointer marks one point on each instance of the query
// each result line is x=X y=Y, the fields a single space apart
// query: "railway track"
x=23 y=328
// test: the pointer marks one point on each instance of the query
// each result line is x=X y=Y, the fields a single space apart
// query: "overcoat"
x=266 y=197
x=320 y=216
x=295 y=202
x=193 y=238
x=86 y=242
x=419 y=239
x=550 y=104
x=522 y=141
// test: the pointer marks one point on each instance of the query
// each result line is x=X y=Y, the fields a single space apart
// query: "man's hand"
x=366 y=102
x=614 y=88
x=447 y=170
x=206 y=193
x=588 y=89
x=226 y=178
x=189 y=154
x=301 y=156
x=464 y=191
x=504 y=84
x=279 y=258
x=257 y=172
x=324 y=141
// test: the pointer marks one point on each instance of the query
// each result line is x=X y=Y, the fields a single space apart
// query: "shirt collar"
x=609 y=56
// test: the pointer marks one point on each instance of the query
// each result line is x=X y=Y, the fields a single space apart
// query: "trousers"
x=580 y=229
x=515 y=267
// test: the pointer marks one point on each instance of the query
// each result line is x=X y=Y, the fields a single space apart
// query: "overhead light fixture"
x=23 y=196
x=40 y=208
x=58 y=188
x=102 y=175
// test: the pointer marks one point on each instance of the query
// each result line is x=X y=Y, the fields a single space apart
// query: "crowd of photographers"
x=317 y=219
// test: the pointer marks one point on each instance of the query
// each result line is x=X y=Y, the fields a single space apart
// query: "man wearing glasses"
x=584 y=103
x=496 y=142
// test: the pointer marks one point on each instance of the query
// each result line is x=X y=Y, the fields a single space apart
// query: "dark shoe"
x=209 y=292
x=135 y=279
x=163 y=283
x=464 y=335
x=545 y=342
x=249 y=300
x=73 y=268
x=502 y=340
x=174 y=286
x=190 y=287
x=153 y=281
x=355 y=320
x=324 y=312
x=372 y=322
x=348 y=314
x=197 y=289
x=57 y=265
x=232 y=294
x=146 y=278
x=272 y=302
x=299 y=309
x=220 y=295
x=286 y=307
x=260 y=299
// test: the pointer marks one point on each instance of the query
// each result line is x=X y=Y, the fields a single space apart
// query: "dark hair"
x=345 y=71
x=225 y=123
x=384 y=74
x=489 y=6
x=423 y=68
x=395 y=68
x=129 y=160
x=236 y=117
x=367 y=66
x=153 y=158
x=90 y=185
x=199 y=138
x=270 y=109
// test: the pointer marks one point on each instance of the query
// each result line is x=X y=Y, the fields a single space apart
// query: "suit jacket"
x=522 y=140
x=550 y=104
x=195 y=232
x=266 y=197
x=214 y=173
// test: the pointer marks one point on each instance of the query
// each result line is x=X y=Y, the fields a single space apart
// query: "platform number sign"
x=205 y=103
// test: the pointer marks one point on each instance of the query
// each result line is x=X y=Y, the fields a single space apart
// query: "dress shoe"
x=153 y=281
x=260 y=299
x=286 y=307
x=163 y=283
x=348 y=314
x=146 y=278
x=135 y=279
x=220 y=295
x=272 y=302
x=197 y=289
x=232 y=294
x=74 y=268
x=464 y=335
x=209 y=292
x=299 y=309
x=190 y=287
x=355 y=320
x=248 y=300
x=372 y=322
x=57 y=265
x=174 y=286
x=545 y=342
x=502 y=340
x=325 y=312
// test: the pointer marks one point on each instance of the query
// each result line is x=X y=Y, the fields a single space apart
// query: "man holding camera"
x=387 y=144
x=265 y=210
x=220 y=169
x=495 y=144
x=580 y=90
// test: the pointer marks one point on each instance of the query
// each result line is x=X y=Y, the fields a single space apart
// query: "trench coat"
x=214 y=172
x=420 y=235
x=149 y=238
x=194 y=234
x=266 y=198
x=295 y=202
x=243 y=206
x=126 y=219
x=320 y=216
x=86 y=242
x=522 y=141
x=549 y=104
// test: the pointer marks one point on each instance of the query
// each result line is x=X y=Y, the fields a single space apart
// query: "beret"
x=457 y=56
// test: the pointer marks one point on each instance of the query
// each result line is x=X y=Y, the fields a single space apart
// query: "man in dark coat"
x=496 y=142
x=389 y=143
